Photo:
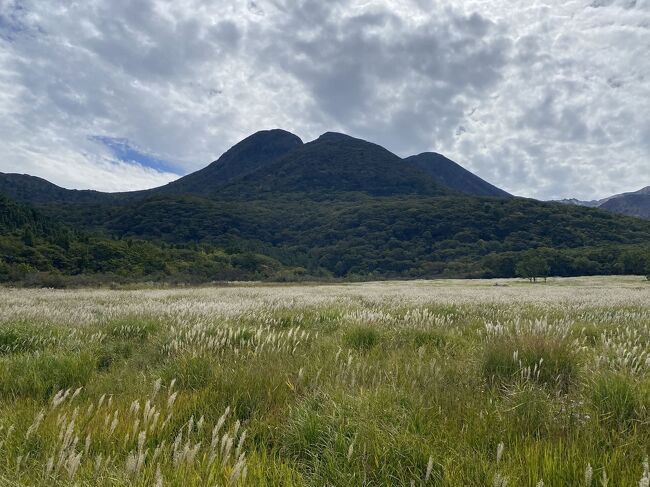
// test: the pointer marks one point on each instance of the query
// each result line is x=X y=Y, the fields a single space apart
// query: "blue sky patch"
x=11 y=21
x=125 y=151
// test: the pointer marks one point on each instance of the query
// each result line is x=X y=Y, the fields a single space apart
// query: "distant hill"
x=453 y=176
x=577 y=202
x=636 y=204
x=250 y=154
x=37 y=250
x=390 y=236
x=31 y=189
x=632 y=204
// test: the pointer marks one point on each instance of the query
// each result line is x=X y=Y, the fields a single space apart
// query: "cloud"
x=546 y=99
x=401 y=81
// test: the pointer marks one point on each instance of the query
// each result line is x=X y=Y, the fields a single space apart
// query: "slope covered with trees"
x=37 y=250
x=451 y=175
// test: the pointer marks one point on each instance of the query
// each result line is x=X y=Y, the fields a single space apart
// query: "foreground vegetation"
x=420 y=383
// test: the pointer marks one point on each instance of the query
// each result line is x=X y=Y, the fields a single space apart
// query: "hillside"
x=632 y=204
x=251 y=154
x=390 y=236
x=636 y=203
x=30 y=189
x=17 y=218
x=37 y=250
x=453 y=176
x=278 y=161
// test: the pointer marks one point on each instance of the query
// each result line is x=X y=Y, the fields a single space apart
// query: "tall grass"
x=441 y=383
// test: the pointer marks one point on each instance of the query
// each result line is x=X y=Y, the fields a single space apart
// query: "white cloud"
x=546 y=99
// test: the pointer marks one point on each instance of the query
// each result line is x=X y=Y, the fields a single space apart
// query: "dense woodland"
x=207 y=241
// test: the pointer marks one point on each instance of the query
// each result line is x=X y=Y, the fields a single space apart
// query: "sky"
x=545 y=99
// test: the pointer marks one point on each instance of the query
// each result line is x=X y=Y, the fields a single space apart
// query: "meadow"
x=454 y=383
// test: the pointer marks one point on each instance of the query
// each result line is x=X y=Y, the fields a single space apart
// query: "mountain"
x=272 y=207
x=633 y=204
x=636 y=204
x=278 y=161
x=247 y=156
x=338 y=163
x=451 y=175
x=251 y=154
x=577 y=202
x=30 y=189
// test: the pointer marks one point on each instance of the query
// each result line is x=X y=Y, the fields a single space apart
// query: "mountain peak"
x=334 y=137
x=269 y=142
x=269 y=134
x=254 y=152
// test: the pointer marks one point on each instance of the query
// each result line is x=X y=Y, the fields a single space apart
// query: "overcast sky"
x=545 y=99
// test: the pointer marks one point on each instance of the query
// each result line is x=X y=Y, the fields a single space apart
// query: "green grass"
x=362 y=337
x=444 y=383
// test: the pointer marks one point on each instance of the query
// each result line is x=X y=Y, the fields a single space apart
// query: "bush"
x=134 y=328
x=16 y=340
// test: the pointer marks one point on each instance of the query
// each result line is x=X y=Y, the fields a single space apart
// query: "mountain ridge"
x=265 y=148
x=631 y=203
x=336 y=162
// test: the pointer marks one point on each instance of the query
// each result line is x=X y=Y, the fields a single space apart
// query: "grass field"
x=459 y=383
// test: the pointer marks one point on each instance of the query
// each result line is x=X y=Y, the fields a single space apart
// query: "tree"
x=28 y=237
x=532 y=267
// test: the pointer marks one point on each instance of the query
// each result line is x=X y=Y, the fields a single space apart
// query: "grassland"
x=459 y=383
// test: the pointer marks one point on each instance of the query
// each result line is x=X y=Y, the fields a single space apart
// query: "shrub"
x=588 y=333
x=113 y=352
x=16 y=340
x=309 y=429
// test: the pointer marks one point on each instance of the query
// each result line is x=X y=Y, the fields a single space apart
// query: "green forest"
x=189 y=239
